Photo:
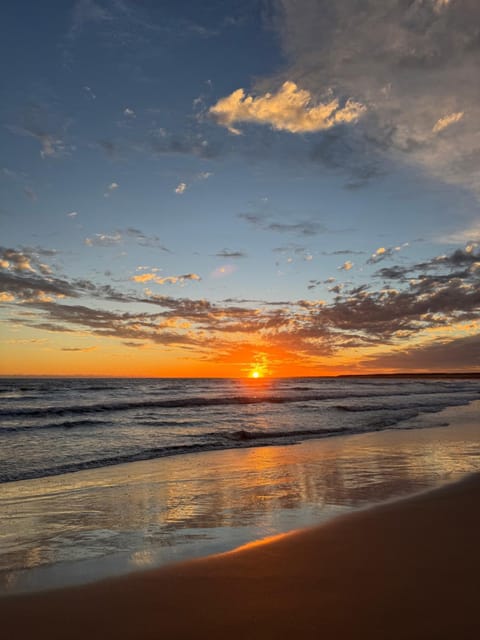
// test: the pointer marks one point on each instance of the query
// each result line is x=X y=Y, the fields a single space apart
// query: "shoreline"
x=91 y=525
x=243 y=439
x=405 y=569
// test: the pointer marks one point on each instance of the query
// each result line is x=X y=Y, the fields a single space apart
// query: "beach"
x=406 y=569
x=94 y=524
x=207 y=555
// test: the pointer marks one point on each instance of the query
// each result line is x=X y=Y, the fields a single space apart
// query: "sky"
x=216 y=188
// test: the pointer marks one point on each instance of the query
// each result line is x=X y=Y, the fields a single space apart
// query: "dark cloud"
x=227 y=253
x=413 y=64
x=343 y=252
x=443 y=355
x=393 y=273
x=302 y=228
x=26 y=287
x=459 y=258
x=110 y=147
x=305 y=228
x=161 y=142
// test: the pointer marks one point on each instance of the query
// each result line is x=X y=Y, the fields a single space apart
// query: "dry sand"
x=407 y=569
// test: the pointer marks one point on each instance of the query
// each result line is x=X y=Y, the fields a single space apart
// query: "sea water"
x=53 y=426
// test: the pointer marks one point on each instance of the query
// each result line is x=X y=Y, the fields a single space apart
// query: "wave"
x=196 y=401
x=66 y=424
x=421 y=406
x=214 y=442
x=227 y=441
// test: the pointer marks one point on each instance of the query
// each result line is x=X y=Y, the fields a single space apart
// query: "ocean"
x=54 y=426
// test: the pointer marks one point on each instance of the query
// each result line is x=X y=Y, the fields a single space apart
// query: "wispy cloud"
x=302 y=228
x=39 y=121
x=223 y=271
x=123 y=235
x=113 y=186
x=85 y=12
x=462 y=236
x=89 y=92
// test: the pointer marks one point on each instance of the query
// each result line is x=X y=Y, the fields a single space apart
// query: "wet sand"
x=406 y=569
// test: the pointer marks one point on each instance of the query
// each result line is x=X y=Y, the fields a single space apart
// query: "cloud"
x=16 y=260
x=227 y=253
x=468 y=234
x=289 y=109
x=85 y=12
x=446 y=121
x=303 y=228
x=104 y=240
x=30 y=193
x=429 y=299
x=306 y=228
x=343 y=252
x=161 y=142
x=72 y=214
x=89 y=92
x=180 y=188
x=52 y=146
x=223 y=271
x=129 y=113
x=113 y=186
x=346 y=266
x=32 y=286
x=109 y=147
x=445 y=354
x=42 y=123
x=412 y=65
x=123 y=235
x=385 y=252
x=153 y=277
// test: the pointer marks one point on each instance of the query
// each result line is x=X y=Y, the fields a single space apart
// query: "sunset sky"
x=208 y=188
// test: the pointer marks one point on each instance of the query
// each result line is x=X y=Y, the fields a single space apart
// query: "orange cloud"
x=446 y=121
x=290 y=109
x=152 y=277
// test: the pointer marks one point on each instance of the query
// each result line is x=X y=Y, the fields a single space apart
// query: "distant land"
x=440 y=374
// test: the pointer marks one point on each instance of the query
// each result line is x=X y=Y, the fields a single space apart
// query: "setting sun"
x=255 y=374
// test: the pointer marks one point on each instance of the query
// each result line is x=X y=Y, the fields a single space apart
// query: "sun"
x=258 y=367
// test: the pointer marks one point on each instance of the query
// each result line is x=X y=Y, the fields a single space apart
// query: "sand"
x=406 y=569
